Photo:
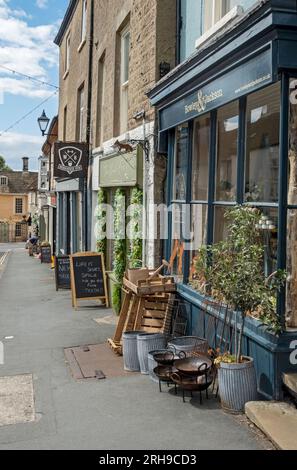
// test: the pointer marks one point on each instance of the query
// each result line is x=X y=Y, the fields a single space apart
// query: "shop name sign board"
x=70 y=160
x=88 y=278
x=242 y=80
x=62 y=271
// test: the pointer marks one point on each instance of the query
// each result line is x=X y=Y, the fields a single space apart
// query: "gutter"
x=66 y=20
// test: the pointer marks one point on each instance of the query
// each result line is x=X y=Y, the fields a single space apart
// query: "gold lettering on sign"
x=202 y=101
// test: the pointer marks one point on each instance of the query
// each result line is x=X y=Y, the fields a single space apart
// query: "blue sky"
x=27 y=31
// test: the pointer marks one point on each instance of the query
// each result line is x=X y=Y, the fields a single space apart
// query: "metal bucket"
x=152 y=364
x=237 y=385
x=146 y=343
x=189 y=345
x=131 y=362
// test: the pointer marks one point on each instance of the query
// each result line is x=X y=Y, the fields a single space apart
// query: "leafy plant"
x=119 y=247
x=135 y=255
x=101 y=222
x=232 y=271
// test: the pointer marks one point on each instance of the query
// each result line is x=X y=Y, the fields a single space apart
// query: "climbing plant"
x=101 y=222
x=135 y=229
x=119 y=247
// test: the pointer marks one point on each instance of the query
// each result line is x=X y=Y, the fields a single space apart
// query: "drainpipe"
x=87 y=188
x=144 y=218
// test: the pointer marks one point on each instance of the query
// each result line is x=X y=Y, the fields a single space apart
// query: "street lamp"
x=43 y=122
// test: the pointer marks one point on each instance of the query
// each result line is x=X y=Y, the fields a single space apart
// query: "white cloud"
x=42 y=4
x=14 y=146
x=26 y=49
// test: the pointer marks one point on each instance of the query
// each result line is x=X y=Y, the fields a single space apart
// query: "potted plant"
x=233 y=272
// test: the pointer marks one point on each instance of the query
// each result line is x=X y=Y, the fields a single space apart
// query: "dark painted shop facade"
x=224 y=123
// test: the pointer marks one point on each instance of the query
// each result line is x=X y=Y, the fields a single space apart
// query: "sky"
x=27 y=31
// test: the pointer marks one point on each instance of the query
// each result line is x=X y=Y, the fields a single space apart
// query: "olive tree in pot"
x=236 y=275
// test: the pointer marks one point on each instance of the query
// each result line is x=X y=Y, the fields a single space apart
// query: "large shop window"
x=228 y=123
x=262 y=147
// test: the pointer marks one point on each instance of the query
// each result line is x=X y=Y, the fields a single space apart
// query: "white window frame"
x=16 y=211
x=18 y=226
x=124 y=84
x=84 y=21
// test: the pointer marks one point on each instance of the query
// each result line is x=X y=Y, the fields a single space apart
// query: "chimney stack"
x=25 y=164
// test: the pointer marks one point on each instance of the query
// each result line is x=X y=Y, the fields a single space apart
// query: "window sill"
x=66 y=74
x=81 y=46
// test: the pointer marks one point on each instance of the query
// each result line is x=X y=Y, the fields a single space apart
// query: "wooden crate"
x=151 y=286
x=150 y=314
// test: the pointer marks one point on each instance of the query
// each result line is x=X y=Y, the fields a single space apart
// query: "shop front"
x=227 y=120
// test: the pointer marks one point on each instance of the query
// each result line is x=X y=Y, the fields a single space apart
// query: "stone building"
x=18 y=203
x=111 y=54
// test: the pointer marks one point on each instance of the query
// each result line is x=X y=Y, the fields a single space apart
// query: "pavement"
x=126 y=413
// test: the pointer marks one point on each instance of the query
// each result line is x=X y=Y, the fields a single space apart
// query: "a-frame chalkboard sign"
x=88 y=278
x=62 y=272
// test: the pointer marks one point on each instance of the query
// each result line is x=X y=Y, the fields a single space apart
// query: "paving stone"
x=16 y=400
x=278 y=421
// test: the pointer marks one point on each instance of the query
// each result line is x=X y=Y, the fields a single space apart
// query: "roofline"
x=66 y=20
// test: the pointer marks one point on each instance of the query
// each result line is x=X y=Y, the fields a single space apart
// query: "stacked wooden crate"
x=147 y=306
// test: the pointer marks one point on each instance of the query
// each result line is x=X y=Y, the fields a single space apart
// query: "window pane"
x=192 y=13
x=199 y=233
x=201 y=159
x=228 y=121
x=220 y=224
x=181 y=163
x=125 y=57
x=229 y=4
x=292 y=192
x=262 y=150
x=179 y=233
x=291 y=307
x=269 y=235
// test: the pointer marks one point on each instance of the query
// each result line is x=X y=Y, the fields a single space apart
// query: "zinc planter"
x=145 y=344
x=237 y=385
x=130 y=354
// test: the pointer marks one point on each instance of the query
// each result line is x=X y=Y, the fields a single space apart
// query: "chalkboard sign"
x=62 y=270
x=88 y=278
x=46 y=254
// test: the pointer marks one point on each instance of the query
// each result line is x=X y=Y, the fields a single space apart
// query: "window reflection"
x=262 y=145
x=201 y=159
x=181 y=163
x=228 y=123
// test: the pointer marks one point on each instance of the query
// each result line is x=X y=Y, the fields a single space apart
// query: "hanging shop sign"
x=88 y=278
x=242 y=80
x=70 y=160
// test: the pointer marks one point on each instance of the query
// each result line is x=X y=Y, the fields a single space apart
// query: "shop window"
x=181 y=163
x=19 y=206
x=262 y=145
x=227 y=125
x=268 y=229
x=200 y=167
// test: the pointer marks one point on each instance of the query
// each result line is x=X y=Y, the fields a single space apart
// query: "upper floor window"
x=100 y=101
x=3 y=181
x=84 y=20
x=67 y=54
x=80 y=113
x=199 y=16
x=19 y=205
x=124 y=79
